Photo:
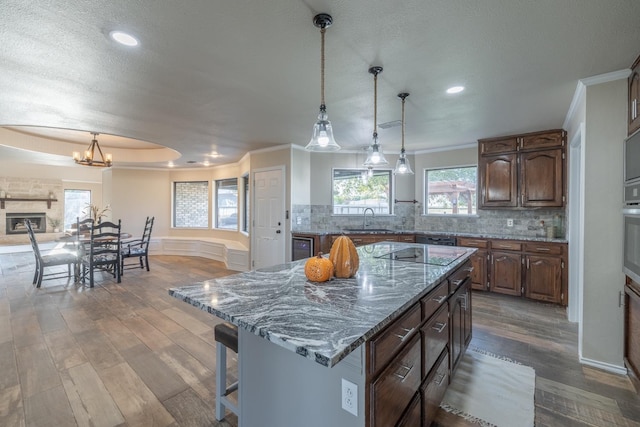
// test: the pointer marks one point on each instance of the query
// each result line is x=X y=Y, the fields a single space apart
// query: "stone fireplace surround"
x=31 y=188
x=15 y=222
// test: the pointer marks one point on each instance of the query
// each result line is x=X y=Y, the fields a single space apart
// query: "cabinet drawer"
x=392 y=392
x=434 y=388
x=407 y=238
x=435 y=336
x=543 y=248
x=542 y=140
x=434 y=300
x=498 y=146
x=383 y=347
x=506 y=245
x=459 y=276
x=472 y=243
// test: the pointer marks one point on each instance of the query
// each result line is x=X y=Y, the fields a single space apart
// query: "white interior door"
x=268 y=227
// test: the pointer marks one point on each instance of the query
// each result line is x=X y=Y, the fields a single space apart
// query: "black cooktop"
x=430 y=255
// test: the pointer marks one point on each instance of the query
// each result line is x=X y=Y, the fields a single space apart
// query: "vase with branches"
x=95 y=212
x=54 y=223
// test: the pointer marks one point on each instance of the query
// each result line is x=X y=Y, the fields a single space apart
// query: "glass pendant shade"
x=322 y=136
x=403 y=167
x=375 y=157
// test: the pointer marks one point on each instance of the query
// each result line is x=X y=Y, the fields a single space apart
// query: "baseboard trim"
x=616 y=369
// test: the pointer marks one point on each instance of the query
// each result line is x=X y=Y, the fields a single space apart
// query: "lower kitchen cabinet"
x=543 y=278
x=536 y=270
x=506 y=273
x=460 y=319
x=479 y=262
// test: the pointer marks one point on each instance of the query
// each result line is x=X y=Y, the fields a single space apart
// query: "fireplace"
x=15 y=222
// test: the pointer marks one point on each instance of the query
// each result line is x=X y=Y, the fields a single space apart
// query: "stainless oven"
x=631 y=265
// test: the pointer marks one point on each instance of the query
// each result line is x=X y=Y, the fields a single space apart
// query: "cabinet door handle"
x=457 y=282
x=406 y=374
x=408 y=332
x=439 y=299
x=439 y=327
x=441 y=378
x=469 y=269
x=543 y=249
x=527 y=263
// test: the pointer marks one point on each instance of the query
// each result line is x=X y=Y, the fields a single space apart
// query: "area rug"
x=492 y=391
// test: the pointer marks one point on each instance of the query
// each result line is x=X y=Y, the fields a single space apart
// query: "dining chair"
x=137 y=248
x=66 y=255
x=102 y=252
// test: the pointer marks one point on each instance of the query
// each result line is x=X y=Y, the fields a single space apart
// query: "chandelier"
x=89 y=157
x=403 y=167
x=322 y=136
x=375 y=156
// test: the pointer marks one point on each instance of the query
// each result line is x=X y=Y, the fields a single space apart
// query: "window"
x=75 y=202
x=245 y=205
x=227 y=204
x=191 y=204
x=451 y=191
x=355 y=190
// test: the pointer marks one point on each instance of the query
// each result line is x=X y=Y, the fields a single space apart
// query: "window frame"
x=206 y=205
x=66 y=225
x=388 y=172
x=425 y=185
x=216 y=197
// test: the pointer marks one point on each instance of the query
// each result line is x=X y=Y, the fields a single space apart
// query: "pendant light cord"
x=322 y=31
x=402 y=151
x=375 y=103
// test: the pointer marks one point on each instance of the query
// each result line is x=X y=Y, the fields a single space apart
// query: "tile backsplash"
x=526 y=223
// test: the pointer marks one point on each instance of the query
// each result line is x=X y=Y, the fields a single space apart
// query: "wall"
x=605 y=130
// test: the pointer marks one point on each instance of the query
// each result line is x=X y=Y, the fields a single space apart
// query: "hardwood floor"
x=129 y=354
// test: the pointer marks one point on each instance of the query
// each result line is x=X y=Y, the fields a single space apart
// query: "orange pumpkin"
x=318 y=269
x=344 y=257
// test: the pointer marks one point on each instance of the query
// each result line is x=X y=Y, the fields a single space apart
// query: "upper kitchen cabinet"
x=523 y=171
x=634 y=97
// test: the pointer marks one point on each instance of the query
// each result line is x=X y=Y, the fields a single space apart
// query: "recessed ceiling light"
x=455 y=89
x=124 y=38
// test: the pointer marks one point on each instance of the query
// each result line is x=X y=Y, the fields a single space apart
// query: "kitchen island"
x=298 y=340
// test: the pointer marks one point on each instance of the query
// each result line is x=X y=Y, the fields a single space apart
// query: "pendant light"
x=322 y=136
x=402 y=165
x=375 y=157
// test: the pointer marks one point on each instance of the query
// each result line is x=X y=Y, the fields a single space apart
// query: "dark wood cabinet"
x=498 y=181
x=634 y=97
x=543 y=278
x=408 y=362
x=479 y=262
x=541 y=178
x=632 y=331
x=460 y=319
x=506 y=273
x=522 y=171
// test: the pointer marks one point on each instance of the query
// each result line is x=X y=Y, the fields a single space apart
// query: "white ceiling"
x=234 y=76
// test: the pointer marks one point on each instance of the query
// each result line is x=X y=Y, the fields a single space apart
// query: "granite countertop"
x=321 y=321
x=433 y=233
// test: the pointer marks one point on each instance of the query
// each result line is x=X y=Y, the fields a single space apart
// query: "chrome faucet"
x=364 y=216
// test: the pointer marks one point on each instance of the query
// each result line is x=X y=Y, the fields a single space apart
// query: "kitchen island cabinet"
x=298 y=340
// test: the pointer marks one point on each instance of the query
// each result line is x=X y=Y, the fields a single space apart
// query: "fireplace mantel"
x=31 y=199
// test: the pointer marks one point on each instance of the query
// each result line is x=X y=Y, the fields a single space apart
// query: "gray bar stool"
x=226 y=336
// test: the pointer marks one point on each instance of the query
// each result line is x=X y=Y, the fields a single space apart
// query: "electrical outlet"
x=350 y=397
x=510 y=222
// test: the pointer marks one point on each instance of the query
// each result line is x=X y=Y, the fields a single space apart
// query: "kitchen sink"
x=371 y=230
